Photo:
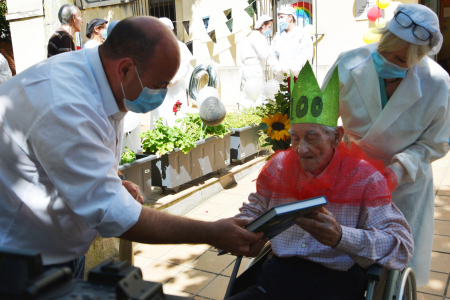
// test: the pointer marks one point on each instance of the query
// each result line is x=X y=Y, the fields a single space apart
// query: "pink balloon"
x=374 y=13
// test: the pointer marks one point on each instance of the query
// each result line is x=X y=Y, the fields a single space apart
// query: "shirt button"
x=303 y=245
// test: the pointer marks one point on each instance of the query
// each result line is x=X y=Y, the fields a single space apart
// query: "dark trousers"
x=77 y=265
x=296 y=278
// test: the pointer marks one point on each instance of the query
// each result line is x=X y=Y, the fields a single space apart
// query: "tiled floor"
x=197 y=271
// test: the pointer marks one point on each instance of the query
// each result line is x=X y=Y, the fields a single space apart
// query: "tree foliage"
x=5 y=32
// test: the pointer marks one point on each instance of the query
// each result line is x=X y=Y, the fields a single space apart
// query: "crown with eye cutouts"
x=309 y=104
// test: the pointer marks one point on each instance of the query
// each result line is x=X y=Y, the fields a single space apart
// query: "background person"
x=61 y=135
x=111 y=26
x=394 y=103
x=62 y=40
x=96 y=32
x=176 y=88
x=291 y=47
x=254 y=55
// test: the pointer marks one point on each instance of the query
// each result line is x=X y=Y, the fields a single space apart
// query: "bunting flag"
x=206 y=22
x=212 y=35
x=190 y=46
x=186 y=26
x=230 y=25
x=227 y=13
x=249 y=10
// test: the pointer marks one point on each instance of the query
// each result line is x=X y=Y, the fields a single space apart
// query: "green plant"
x=127 y=156
x=5 y=32
x=195 y=127
x=244 y=117
x=165 y=139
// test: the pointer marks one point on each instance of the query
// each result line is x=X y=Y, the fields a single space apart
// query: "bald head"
x=141 y=39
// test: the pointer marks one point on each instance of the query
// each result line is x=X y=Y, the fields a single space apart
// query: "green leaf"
x=263 y=126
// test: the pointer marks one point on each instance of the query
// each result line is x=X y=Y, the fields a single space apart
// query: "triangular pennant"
x=249 y=10
x=190 y=46
x=212 y=35
x=206 y=22
x=227 y=13
x=230 y=25
x=186 y=26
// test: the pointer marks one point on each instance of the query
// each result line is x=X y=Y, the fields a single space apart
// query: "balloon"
x=252 y=88
x=212 y=111
x=131 y=121
x=271 y=88
x=369 y=37
x=381 y=22
x=382 y=4
x=206 y=92
x=311 y=29
x=374 y=13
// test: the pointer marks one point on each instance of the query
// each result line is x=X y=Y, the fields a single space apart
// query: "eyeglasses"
x=419 y=32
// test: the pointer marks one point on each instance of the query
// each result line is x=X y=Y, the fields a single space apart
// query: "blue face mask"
x=282 y=24
x=267 y=32
x=148 y=99
x=104 y=34
x=386 y=69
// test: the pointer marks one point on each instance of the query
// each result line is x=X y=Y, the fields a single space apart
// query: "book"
x=281 y=217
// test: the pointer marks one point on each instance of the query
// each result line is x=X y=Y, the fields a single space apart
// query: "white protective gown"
x=175 y=92
x=290 y=51
x=254 y=54
x=5 y=71
x=413 y=129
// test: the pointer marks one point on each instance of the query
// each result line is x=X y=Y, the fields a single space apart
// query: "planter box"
x=176 y=168
x=140 y=172
x=244 y=142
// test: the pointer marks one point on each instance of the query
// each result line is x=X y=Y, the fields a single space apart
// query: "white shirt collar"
x=107 y=97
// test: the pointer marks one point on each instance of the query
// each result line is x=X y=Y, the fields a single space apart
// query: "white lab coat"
x=413 y=129
x=175 y=92
x=5 y=71
x=254 y=55
x=290 y=51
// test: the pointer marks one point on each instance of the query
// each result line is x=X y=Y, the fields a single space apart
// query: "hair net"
x=167 y=22
x=423 y=16
x=261 y=20
x=92 y=24
x=111 y=26
x=288 y=10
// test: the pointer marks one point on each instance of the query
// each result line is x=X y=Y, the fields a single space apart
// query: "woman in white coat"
x=176 y=89
x=394 y=103
x=254 y=55
x=291 y=47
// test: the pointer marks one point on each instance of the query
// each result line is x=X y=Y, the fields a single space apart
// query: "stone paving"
x=196 y=271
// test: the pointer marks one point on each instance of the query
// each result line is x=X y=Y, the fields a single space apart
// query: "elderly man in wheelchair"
x=324 y=256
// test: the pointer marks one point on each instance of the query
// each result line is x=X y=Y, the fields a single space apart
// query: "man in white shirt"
x=291 y=47
x=60 y=141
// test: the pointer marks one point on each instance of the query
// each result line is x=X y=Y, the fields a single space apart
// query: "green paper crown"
x=309 y=104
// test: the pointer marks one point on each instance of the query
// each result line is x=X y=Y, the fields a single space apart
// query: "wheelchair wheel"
x=407 y=289
x=391 y=284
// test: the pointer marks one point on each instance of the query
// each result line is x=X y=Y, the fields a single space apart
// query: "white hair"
x=66 y=12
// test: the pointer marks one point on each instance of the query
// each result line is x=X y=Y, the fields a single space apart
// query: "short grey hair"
x=331 y=131
x=66 y=12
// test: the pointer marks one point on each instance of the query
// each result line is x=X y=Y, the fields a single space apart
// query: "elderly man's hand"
x=134 y=190
x=322 y=225
x=229 y=235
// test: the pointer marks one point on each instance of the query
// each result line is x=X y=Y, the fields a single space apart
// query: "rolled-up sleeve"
x=72 y=143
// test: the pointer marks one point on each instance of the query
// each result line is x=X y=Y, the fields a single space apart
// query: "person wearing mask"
x=61 y=132
x=291 y=47
x=254 y=55
x=176 y=88
x=62 y=40
x=96 y=32
x=394 y=104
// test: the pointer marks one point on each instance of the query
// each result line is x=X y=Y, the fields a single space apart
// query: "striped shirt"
x=378 y=234
x=61 y=41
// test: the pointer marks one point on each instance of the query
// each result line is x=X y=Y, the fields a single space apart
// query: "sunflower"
x=278 y=126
